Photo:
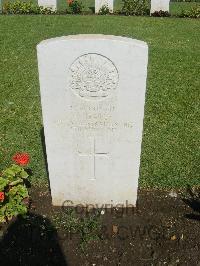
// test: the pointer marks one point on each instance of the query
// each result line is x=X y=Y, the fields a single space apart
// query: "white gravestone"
x=48 y=4
x=93 y=95
x=100 y=3
x=157 y=5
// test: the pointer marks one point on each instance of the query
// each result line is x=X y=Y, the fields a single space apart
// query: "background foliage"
x=176 y=7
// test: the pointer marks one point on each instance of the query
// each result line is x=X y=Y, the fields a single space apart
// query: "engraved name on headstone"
x=93 y=95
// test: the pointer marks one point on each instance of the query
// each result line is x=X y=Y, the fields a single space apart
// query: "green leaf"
x=3 y=183
x=24 y=174
x=2 y=218
x=18 y=181
x=22 y=191
x=16 y=168
x=9 y=172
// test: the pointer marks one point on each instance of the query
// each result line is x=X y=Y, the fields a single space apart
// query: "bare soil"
x=162 y=230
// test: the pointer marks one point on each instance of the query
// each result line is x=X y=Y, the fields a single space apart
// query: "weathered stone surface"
x=100 y=3
x=157 y=5
x=48 y=4
x=93 y=95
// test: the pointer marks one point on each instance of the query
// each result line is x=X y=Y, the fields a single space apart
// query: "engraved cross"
x=95 y=155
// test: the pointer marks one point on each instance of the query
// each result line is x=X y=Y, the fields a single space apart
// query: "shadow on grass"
x=31 y=241
x=42 y=136
x=193 y=201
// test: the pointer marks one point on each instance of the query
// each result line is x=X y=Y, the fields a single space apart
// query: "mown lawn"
x=170 y=150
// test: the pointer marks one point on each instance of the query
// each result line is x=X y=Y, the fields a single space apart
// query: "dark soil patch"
x=163 y=230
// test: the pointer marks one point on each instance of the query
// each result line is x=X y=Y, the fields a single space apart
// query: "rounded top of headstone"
x=100 y=37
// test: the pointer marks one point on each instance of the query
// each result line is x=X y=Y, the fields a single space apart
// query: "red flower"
x=21 y=158
x=2 y=196
x=69 y=2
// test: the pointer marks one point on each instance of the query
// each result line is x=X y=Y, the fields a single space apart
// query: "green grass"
x=170 y=150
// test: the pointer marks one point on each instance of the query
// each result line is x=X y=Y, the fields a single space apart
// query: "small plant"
x=21 y=7
x=135 y=7
x=192 y=13
x=160 y=13
x=104 y=10
x=86 y=227
x=13 y=191
x=89 y=230
x=46 y=11
x=75 y=7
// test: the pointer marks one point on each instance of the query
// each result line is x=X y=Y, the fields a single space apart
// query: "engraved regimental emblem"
x=93 y=76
